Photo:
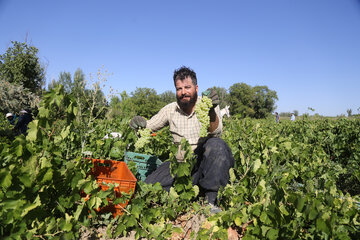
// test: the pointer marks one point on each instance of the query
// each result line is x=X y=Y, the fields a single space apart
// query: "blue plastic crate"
x=146 y=164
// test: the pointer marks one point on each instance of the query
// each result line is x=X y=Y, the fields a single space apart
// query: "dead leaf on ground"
x=232 y=234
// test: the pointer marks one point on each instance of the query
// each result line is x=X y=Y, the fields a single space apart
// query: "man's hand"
x=138 y=122
x=212 y=94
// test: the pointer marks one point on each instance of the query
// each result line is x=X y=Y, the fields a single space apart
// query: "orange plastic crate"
x=115 y=172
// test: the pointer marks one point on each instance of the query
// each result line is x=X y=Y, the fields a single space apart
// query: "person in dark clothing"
x=214 y=157
x=277 y=117
x=24 y=119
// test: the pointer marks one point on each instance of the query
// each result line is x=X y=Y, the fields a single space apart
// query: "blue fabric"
x=22 y=123
x=13 y=120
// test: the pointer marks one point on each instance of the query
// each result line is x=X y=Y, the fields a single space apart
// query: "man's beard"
x=191 y=102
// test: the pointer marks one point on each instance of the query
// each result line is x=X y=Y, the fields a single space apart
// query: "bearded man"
x=214 y=157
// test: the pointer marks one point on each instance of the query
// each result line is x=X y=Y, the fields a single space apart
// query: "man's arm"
x=160 y=119
x=215 y=128
x=214 y=120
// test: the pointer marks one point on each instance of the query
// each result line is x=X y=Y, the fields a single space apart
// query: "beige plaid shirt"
x=181 y=124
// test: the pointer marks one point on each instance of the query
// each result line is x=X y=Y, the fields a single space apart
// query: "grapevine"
x=290 y=181
x=202 y=113
x=145 y=137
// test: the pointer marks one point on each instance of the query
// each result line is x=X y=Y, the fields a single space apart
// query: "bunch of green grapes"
x=202 y=113
x=145 y=137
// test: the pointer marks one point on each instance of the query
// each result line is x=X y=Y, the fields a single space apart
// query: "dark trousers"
x=214 y=159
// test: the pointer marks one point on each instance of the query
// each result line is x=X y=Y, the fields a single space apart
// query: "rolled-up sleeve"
x=160 y=120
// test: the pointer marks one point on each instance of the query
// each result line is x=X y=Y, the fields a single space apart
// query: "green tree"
x=79 y=82
x=53 y=84
x=65 y=80
x=14 y=98
x=263 y=101
x=78 y=89
x=114 y=101
x=247 y=101
x=114 y=107
x=223 y=96
x=90 y=99
x=240 y=99
x=349 y=112
x=285 y=114
x=21 y=66
x=96 y=101
x=167 y=97
x=146 y=102
x=122 y=107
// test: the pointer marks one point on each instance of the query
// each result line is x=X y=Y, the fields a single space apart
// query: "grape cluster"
x=145 y=137
x=202 y=113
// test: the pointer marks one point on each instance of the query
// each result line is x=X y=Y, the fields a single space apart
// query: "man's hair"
x=184 y=72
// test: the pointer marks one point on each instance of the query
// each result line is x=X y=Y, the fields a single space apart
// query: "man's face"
x=186 y=92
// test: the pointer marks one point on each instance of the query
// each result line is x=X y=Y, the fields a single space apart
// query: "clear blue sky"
x=308 y=51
